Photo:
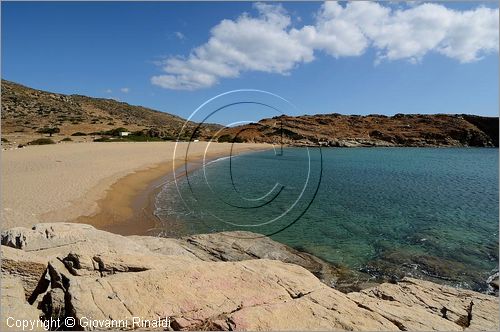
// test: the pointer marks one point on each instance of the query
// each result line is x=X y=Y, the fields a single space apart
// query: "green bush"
x=78 y=133
x=66 y=139
x=140 y=138
x=42 y=141
x=49 y=131
x=224 y=138
x=229 y=139
x=116 y=131
x=140 y=133
x=129 y=138
x=238 y=140
x=4 y=140
x=102 y=139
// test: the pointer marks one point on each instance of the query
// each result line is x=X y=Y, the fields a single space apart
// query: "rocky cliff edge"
x=222 y=281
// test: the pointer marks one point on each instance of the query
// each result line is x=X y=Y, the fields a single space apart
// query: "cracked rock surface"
x=14 y=304
x=431 y=301
x=213 y=282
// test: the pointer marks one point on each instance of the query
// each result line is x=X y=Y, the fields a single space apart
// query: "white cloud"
x=109 y=91
x=412 y=33
x=269 y=43
x=248 y=43
x=125 y=90
x=179 y=35
x=473 y=34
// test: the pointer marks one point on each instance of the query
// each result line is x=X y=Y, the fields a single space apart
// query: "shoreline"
x=129 y=203
x=67 y=182
x=127 y=206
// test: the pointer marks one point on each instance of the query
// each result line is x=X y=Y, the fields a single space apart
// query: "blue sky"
x=114 y=50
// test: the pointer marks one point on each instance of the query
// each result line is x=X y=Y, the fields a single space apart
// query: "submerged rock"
x=216 y=282
x=394 y=265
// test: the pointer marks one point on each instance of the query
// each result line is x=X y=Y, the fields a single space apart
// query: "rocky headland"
x=400 y=130
x=222 y=281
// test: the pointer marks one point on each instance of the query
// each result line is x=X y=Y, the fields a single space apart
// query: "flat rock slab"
x=26 y=266
x=213 y=282
x=238 y=246
x=462 y=309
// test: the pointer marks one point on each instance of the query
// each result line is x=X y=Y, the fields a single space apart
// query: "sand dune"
x=62 y=182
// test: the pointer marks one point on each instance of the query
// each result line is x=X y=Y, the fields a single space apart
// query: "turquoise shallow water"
x=385 y=212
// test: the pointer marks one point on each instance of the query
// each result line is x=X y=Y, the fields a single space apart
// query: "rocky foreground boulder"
x=223 y=281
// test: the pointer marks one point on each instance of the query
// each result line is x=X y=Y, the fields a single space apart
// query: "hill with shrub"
x=34 y=113
x=27 y=111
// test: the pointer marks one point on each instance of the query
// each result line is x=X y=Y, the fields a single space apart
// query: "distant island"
x=28 y=114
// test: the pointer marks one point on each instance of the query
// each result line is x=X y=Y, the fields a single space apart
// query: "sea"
x=384 y=213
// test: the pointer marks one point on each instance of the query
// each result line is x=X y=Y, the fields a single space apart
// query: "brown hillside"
x=371 y=130
x=26 y=110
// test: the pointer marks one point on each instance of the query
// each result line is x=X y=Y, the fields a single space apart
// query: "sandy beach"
x=98 y=183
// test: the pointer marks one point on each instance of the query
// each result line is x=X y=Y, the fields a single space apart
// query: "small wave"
x=218 y=159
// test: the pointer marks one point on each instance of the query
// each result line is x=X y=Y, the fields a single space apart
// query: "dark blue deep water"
x=383 y=212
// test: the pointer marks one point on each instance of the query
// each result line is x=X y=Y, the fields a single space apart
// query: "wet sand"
x=129 y=205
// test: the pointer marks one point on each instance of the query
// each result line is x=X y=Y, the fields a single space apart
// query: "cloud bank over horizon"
x=270 y=43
